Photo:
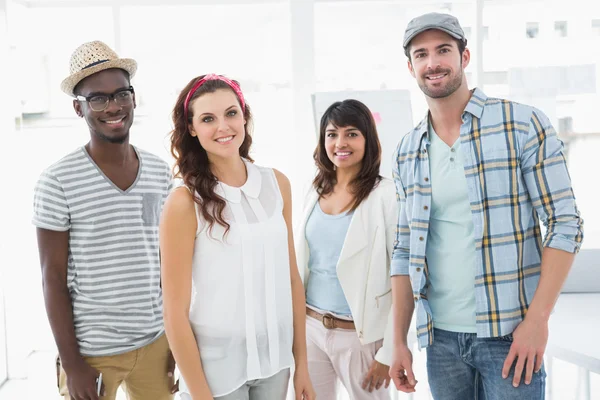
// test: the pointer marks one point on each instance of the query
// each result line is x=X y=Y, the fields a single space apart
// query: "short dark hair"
x=461 y=44
x=78 y=86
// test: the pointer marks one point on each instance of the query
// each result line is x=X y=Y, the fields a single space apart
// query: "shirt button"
x=452 y=150
x=426 y=179
x=425 y=208
x=418 y=269
x=421 y=238
x=425 y=151
x=452 y=159
x=416 y=298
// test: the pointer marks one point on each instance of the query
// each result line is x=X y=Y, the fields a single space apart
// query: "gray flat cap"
x=443 y=22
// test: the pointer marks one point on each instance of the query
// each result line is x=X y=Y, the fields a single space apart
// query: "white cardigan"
x=364 y=264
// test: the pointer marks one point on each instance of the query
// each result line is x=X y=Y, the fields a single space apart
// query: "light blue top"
x=451 y=252
x=325 y=235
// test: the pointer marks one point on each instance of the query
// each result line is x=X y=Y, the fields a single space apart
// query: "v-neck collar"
x=107 y=179
x=435 y=139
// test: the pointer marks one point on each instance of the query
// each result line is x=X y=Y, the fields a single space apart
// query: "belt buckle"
x=329 y=321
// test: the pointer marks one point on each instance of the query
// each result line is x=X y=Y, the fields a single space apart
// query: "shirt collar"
x=423 y=130
x=477 y=103
x=474 y=107
x=251 y=188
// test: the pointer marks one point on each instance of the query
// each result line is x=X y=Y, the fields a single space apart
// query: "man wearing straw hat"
x=97 y=212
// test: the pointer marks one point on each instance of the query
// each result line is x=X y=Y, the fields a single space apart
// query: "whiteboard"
x=391 y=110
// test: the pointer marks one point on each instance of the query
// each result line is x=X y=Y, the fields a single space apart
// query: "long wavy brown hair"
x=342 y=114
x=191 y=160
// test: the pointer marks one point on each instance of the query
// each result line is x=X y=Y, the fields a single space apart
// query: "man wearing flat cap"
x=474 y=179
x=97 y=212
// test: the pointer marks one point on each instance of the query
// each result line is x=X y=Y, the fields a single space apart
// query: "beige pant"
x=336 y=355
x=142 y=372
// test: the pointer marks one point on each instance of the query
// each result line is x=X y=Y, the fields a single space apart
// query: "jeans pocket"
x=505 y=338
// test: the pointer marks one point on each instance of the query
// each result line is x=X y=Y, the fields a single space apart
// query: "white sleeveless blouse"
x=241 y=304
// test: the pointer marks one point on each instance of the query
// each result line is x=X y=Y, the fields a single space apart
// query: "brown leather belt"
x=329 y=321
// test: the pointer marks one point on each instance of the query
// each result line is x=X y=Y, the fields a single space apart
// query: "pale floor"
x=41 y=383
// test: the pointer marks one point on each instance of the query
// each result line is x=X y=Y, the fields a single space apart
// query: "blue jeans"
x=461 y=366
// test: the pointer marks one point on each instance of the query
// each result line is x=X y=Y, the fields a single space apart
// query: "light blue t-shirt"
x=451 y=253
x=325 y=235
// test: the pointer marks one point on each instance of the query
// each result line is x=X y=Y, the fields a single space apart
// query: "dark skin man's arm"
x=54 y=252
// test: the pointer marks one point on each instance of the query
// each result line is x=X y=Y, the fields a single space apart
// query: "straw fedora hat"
x=93 y=57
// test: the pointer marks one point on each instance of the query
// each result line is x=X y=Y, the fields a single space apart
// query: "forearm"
x=402 y=308
x=299 y=309
x=187 y=356
x=59 y=309
x=554 y=270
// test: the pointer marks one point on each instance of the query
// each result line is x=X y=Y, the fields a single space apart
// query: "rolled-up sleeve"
x=50 y=207
x=401 y=254
x=549 y=185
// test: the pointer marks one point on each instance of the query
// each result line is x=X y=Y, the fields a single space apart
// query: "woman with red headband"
x=233 y=298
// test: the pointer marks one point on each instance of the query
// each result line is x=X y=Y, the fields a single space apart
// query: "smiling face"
x=218 y=123
x=345 y=146
x=437 y=64
x=112 y=124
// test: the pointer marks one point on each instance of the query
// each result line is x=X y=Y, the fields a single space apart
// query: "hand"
x=171 y=374
x=302 y=385
x=401 y=370
x=377 y=375
x=529 y=344
x=81 y=382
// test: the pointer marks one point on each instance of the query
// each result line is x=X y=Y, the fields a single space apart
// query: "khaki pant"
x=142 y=372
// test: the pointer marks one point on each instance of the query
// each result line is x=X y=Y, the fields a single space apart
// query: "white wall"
x=7 y=129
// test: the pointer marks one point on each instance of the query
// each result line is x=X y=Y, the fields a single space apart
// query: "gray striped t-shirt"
x=113 y=267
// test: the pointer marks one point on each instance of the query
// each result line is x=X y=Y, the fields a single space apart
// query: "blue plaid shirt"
x=516 y=175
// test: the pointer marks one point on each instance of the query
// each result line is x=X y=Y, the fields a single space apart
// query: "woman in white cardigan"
x=344 y=247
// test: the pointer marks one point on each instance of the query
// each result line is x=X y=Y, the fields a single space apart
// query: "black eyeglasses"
x=100 y=102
